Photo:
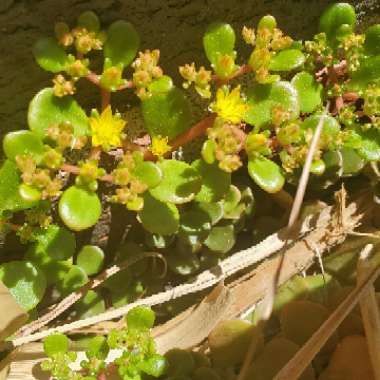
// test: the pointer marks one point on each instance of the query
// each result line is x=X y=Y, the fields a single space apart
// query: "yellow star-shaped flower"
x=229 y=105
x=160 y=146
x=106 y=129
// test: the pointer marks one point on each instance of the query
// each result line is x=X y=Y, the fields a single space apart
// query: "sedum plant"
x=60 y=174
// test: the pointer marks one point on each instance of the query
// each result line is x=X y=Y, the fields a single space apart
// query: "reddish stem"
x=197 y=130
x=76 y=170
x=244 y=69
x=106 y=98
x=93 y=78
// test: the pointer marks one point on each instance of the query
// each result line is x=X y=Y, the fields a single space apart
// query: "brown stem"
x=106 y=98
x=73 y=169
x=93 y=78
x=244 y=69
x=197 y=130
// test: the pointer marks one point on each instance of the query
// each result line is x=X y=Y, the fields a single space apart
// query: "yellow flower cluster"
x=160 y=146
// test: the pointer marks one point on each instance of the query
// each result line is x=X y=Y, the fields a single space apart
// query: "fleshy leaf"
x=161 y=85
x=218 y=40
x=287 y=60
x=215 y=182
x=335 y=16
x=368 y=72
x=79 y=209
x=90 y=21
x=232 y=199
x=195 y=223
x=266 y=174
x=97 y=347
x=140 y=318
x=353 y=163
x=50 y=55
x=122 y=43
x=90 y=305
x=309 y=91
x=10 y=199
x=183 y=265
x=56 y=344
x=180 y=182
x=167 y=114
x=213 y=210
x=23 y=142
x=74 y=279
x=91 y=259
x=370 y=145
x=56 y=242
x=263 y=98
x=154 y=366
x=156 y=241
x=372 y=40
x=45 y=109
x=25 y=282
x=148 y=173
x=221 y=239
x=159 y=217
x=330 y=129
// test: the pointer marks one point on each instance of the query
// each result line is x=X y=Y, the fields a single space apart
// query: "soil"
x=173 y=26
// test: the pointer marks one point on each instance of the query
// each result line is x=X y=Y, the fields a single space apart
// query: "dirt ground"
x=173 y=26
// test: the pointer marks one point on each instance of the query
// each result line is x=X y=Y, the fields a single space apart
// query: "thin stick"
x=64 y=304
x=297 y=365
x=370 y=313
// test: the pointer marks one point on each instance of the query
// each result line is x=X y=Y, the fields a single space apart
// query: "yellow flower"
x=160 y=146
x=229 y=105
x=106 y=129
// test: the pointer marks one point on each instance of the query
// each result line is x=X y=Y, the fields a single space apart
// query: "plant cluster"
x=59 y=174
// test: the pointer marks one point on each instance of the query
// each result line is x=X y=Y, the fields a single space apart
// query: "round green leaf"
x=266 y=174
x=57 y=242
x=50 y=55
x=372 y=40
x=53 y=270
x=90 y=21
x=287 y=60
x=155 y=365
x=56 y=344
x=140 y=318
x=91 y=259
x=10 y=198
x=122 y=43
x=25 y=281
x=335 y=16
x=263 y=98
x=23 y=142
x=45 y=109
x=368 y=72
x=148 y=172
x=330 y=129
x=29 y=193
x=309 y=91
x=232 y=199
x=183 y=265
x=195 y=222
x=167 y=114
x=218 y=40
x=90 y=305
x=213 y=210
x=79 y=209
x=180 y=182
x=160 y=85
x=370 y=145
x=221 y=239
x=215 y=182
x=159 y=217
x=97 y=348
x=353 y=163
x=75 y=278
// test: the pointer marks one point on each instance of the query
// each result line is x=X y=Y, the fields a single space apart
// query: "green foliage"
x=309 y=91
x=46 y=110
x=25 y=281
x=90 y=259
x=122 y=43
x=56 y=344
x=50 y=55
x=167 y=113
x=287 y=60
x=79 y=209
x=90 y=305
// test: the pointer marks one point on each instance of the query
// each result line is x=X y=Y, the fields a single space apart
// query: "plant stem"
x=73 y=169
x=244 y=69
